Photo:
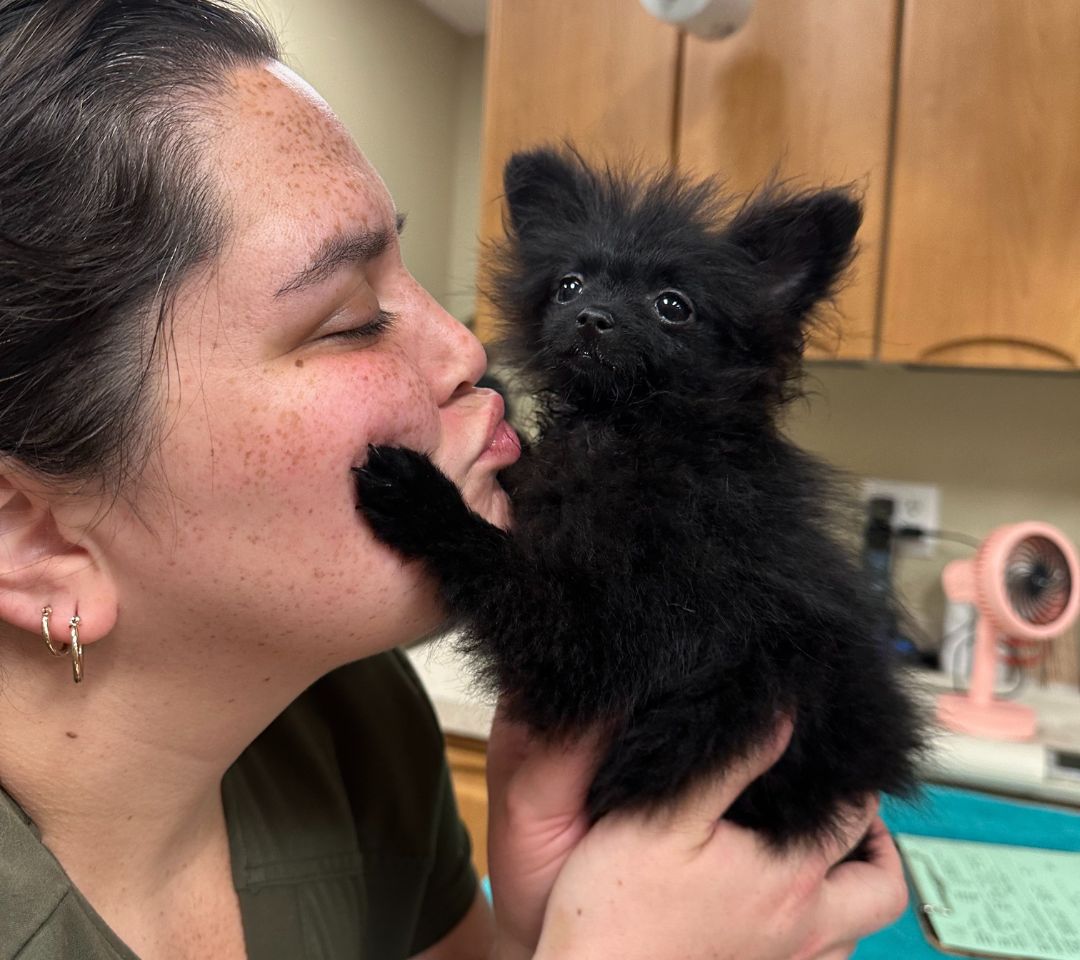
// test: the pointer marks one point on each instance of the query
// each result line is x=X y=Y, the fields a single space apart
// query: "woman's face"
x=304 y=342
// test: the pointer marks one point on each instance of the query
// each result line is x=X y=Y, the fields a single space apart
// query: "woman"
x=204 y=321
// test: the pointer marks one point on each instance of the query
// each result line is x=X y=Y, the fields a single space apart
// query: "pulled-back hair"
x=105 y=206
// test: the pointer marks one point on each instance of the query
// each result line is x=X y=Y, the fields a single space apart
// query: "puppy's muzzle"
x=593 y=323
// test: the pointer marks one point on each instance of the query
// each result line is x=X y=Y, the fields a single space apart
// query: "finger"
x=538 y=778
x=838 y=953
x=860 y=897
x=854 y=825
x=508 y=742
x=881 y=850
x=706 y=801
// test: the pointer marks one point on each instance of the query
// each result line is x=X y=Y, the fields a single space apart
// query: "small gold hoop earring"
x=76 y=649
x=57 y=650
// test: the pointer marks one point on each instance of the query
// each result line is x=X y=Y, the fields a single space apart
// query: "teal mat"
x=963 y=815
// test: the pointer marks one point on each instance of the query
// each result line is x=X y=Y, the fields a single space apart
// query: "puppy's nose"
x=592 y=321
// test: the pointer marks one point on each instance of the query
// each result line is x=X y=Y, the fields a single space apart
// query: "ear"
x=45 y=560
x=539 y=183
x=798 y=246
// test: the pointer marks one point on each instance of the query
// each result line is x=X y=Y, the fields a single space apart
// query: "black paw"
x=407 y=500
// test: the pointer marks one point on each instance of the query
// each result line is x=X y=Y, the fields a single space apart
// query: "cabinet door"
x=598 y=72
x=467 y=759
x=802 y=91
x=984 y=244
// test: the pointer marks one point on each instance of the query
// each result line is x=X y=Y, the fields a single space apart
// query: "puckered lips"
x=502 y=444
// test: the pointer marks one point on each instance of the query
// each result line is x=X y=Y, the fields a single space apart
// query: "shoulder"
x=346 y=797
x=380 y=702
x=42 y=914
x=31 y=887
x=389 y=747
x=362 y=746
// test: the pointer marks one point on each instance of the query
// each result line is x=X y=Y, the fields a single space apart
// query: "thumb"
x=701 y=806
x=535 y=777
x=536 y=789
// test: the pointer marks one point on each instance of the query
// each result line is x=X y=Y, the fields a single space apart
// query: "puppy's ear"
x=797 y=246
x=539 y=185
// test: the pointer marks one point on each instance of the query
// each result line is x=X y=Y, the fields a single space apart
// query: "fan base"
x=998 y=720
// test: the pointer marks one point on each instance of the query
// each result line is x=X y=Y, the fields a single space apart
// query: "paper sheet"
x=993 y=900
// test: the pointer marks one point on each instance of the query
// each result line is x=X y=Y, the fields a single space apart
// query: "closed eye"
x=379 y=324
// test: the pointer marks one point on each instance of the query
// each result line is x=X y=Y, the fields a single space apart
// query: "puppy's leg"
x=802 y=797
x=416 y=509
x=676 y=739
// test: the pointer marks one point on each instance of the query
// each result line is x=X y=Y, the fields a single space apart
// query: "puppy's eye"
x=568 y=288
x=673 y=307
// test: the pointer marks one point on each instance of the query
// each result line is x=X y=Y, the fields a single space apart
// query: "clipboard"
x=995 y=900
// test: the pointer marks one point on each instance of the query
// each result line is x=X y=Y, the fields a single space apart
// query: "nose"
x=593 y=321
x=452 y=358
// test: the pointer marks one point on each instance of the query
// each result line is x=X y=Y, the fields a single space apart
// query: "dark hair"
x=105 y=206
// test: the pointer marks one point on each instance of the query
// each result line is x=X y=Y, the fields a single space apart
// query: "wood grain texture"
x=984 y=247
x=598 y=72
x=802 y=91
x=467 y=758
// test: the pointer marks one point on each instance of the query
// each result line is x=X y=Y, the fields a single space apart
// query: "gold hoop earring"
x=76 y=649
x=62 y=649
x=57 y=650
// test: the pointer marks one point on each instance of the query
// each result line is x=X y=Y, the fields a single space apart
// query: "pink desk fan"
x=1024 y=581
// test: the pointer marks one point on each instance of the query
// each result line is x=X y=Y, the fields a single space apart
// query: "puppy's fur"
x=673 y=576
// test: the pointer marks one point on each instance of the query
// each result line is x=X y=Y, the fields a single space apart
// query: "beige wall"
x=396 y=75
x=1002 y=446
x=465 y=221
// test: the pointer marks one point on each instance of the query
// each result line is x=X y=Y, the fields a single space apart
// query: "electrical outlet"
x=914 y=505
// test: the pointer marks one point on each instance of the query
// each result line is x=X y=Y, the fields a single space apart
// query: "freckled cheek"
x=404 y=416
x=329 y=429
x=285 y=434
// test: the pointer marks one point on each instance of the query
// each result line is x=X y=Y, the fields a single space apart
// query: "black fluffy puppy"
x=673 y=574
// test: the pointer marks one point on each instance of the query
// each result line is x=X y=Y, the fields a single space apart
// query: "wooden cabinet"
x=468 y=773
x=984 y=238
x=958 y=119
x=801 y=91
x=790 y=94
x=597 y=72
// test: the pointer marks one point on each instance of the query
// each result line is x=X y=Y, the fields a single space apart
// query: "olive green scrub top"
x=345 y=840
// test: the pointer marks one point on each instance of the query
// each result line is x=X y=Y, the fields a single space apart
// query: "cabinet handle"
x=1061 y=357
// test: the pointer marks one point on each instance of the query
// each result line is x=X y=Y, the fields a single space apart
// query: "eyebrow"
x=357 y=247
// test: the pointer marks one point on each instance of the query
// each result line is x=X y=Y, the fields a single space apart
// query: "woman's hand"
x=536 y=817
x=681 y=883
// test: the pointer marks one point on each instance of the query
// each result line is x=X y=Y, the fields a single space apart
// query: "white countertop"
x=461 y=708
x=1019 y=769
x=1029 y=769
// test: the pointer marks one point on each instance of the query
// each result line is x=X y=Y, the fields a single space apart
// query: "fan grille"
x=1037 y=580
